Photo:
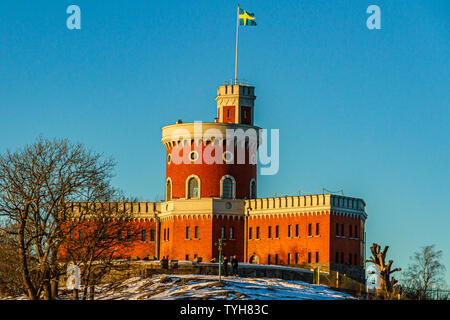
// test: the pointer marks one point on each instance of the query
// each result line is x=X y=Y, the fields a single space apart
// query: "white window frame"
x=171 y=188
x=199 y=182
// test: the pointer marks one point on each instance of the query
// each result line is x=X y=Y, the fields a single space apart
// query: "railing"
x=237 y=81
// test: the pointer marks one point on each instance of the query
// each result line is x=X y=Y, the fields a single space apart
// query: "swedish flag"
x=246 y=18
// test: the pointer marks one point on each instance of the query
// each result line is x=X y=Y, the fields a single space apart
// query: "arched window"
x=193 y=188
x=169 y=190
x=227 y=188
x=253 y=189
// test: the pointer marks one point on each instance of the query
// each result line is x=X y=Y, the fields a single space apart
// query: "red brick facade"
x=210 y=175
x=304 y=239
x=284 y=239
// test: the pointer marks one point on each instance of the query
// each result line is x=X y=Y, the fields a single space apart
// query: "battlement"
x=260 y=205
x=307 y=202
x=289 y=202
x=236 y=89
x=140 y=209
x=235 y=103
x=347 y=203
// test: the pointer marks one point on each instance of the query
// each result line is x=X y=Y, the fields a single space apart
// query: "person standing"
x=225 y=265
x=234 y=264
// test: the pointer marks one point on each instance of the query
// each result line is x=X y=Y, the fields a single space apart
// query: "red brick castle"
x=207 y=200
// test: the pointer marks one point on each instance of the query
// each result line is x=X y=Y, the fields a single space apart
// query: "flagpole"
x=237 y=42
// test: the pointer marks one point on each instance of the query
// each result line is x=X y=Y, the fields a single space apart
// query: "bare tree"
x=389 y=285
x=104 y=236
x=35 y=183
x=424 y=273
x=10 y=281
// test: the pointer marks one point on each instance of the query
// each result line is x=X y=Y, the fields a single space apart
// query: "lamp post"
x=220 y=245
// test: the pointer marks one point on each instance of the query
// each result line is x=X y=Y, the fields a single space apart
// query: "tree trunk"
x=29 y=288
x=47 y=286
x=54 y=288
x=75 y=294
x=85 y=290
x=91 y=292
x=54 y=282
x=47 y=291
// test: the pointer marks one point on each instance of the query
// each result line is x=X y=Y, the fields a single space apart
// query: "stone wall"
x=148 y=269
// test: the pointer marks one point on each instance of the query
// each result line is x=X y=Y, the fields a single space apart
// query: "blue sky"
x=361 y=110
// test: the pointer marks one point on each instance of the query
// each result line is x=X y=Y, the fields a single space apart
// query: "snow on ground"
x=174 y=287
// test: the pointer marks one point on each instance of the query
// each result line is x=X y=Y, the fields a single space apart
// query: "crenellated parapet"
x=235 y=103
x=136 y=210
x=317 y=204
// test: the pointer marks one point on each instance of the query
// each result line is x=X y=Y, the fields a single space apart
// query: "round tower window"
x=227 y=156
x=193 y=155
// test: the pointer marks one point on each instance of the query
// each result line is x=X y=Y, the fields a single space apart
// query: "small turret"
x=235 y=103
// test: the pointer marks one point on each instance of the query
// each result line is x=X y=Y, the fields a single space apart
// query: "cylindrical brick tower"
x=215 y=159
